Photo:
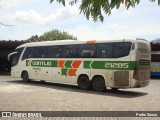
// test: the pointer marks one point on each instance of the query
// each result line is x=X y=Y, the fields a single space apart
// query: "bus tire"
x=25 y=77
x=84 y=83
x=98 y=84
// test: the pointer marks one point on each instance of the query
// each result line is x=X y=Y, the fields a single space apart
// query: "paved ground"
x=37 y=96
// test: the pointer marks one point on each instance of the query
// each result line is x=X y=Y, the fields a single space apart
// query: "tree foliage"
x=94 y=8
x=156 y=41
x=155 y=44
x=52 y=35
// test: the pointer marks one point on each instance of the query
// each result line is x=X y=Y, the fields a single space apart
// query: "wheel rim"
x=84 y=83
x=99 y=84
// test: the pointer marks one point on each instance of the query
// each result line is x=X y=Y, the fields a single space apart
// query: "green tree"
x=94 y=8
x=156 y=41
x=52 y=35
x=155 y=44
x=33 y=38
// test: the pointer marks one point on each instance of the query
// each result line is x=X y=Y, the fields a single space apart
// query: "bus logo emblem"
x=29 y=62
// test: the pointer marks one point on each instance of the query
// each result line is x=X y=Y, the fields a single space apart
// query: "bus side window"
x=54 y=52
x=41 y=52
x=155 y=58
x=122 y=49
x=29 y=53
x=104 y=50
x=87 y=51
x=69 y=51
x=14 y=60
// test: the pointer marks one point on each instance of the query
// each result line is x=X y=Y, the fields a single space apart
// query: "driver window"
x=14 y=60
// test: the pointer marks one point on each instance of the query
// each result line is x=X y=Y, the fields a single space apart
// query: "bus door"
x=37 y=73
x=34 y=70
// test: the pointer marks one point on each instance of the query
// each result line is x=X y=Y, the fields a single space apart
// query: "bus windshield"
x=15 y=57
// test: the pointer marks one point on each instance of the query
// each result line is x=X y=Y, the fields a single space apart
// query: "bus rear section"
x=141 y=74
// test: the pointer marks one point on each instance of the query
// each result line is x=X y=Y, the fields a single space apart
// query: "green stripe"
x=111 y=65
x=64 y=71
x=86 y=64
x=68 y=64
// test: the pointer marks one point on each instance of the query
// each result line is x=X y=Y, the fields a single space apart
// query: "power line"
x=5 y=24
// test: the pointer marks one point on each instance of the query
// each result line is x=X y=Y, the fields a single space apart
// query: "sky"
x=31 y=17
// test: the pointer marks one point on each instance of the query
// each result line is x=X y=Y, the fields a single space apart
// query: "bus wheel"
x=98 y=84
x=25 y=77
x=84 y=83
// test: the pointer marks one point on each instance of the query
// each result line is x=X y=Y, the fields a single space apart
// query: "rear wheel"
x=99 y=84
x=84 y=83
x=25 y=77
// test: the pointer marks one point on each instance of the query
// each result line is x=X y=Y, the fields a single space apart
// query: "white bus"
x=97 y=64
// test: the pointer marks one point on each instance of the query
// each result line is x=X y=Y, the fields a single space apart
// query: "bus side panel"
x=122 y=68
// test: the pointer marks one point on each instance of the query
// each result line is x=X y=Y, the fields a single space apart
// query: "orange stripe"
x=90 y=41
x=61 y=63
x=76 y=63
x=72 y=72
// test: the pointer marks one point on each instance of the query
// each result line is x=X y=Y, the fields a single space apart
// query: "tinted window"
x=19 y=50
x=14 y=60
x=69 y=51
x=87 y=51
x=104 y=50
x=155 y=58
x=54 y=52
x=121 y=49
x=41 y=52
x=29 y=53
x=142 y=47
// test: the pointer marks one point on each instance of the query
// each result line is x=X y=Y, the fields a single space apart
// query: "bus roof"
x=68 y=42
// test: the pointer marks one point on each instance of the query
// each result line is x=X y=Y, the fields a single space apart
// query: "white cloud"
x=30 y=16
x=114 y=31
x=10 y=3
x=33 y=17
x=117 y=26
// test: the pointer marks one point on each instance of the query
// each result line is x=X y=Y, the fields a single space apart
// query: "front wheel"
x=25 y=77
x=99 y=84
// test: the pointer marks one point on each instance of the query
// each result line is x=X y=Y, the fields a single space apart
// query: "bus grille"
x=121 y=78
x=144 y=62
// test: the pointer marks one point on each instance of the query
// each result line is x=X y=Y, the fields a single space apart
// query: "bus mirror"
x=11 y=54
